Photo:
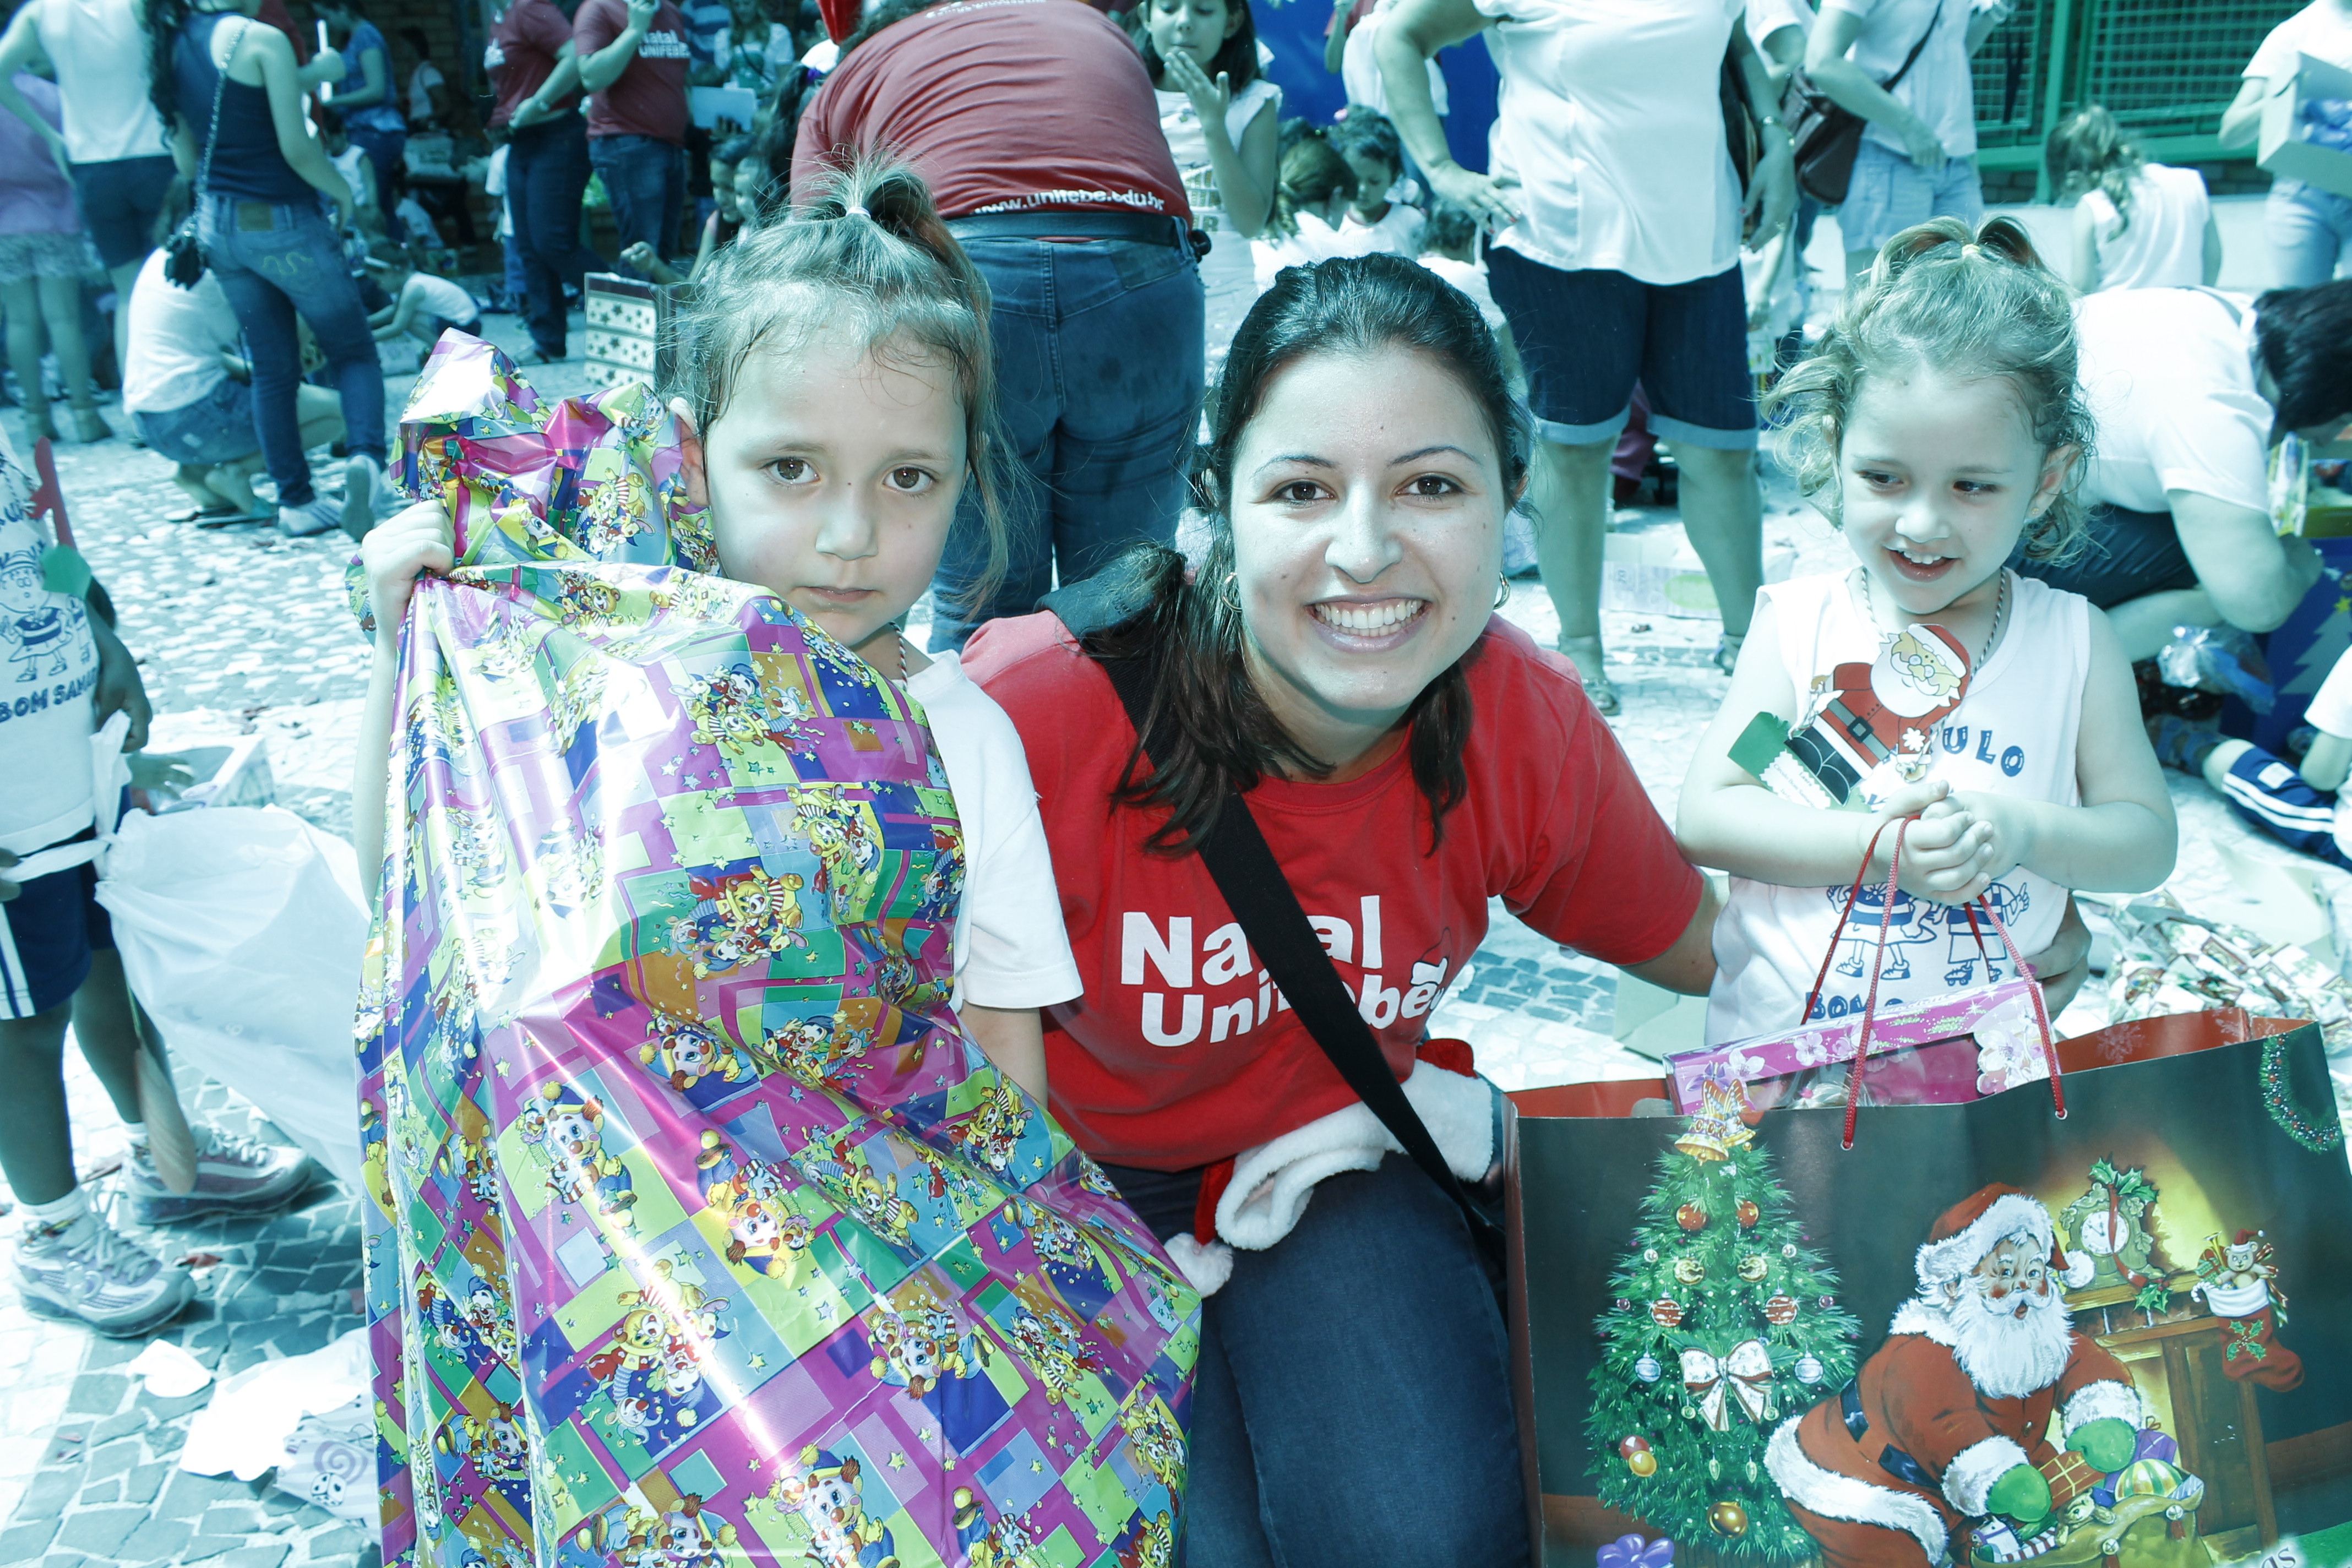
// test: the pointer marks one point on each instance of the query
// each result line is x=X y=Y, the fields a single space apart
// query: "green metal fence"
x=2166 y=68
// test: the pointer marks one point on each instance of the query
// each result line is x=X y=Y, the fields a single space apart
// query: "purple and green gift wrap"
x=700 y=1235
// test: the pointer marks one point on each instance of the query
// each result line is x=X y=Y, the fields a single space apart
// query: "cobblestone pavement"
x=241 y=631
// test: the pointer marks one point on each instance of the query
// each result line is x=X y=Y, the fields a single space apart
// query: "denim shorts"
x=1586 y=337
x=120 y=200
x=215 y=428
x=47 y=933
x=1890 y=193
x=2125 y=555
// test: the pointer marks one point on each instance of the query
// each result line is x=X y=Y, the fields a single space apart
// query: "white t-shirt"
x=48 y=672
x=439 y=297
x=2168 y=374
x=1611 y=120
x=420 y=83
x=99 y=50
x=1315 y=241
x=2331 y=711
x=177 y=336
x=1398 y=233
x=1011 y=950
x=2163 y=246
x=2014 y=733
x=351 y=163
x=2322 y=31
x=1360 y=72
x=1471 y=280
x=1939 y=89
x=1765 y=18
x=1227 y=265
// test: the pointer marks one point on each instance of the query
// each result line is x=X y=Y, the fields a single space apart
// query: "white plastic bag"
x=241 y=933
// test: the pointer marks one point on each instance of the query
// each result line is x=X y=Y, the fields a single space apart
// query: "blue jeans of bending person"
x=1352 y=1409
x=2310 y=231
x=645 y=179
x=275 y=263
x=547 y=170
x=1099 y=379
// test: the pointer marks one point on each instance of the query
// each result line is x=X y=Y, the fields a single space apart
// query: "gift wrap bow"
x=1745 y=1375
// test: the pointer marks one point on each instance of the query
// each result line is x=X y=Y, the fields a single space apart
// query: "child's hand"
x=419 y=539
x=1210 y=99
x=119 y=689
x=1941 y=848
x=2006 y=828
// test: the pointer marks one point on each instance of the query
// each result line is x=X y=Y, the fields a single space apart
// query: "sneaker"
x=98 y=1277
x=363 y=494
x=234 y=1175
x=320 y=514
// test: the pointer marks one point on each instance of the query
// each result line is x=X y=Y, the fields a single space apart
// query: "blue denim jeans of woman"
x=383 y=150
x=2310 y=231
x=645 y=179
x=1099 y=377
x=1352 y=1407
x=547 y=170
x=275 y=263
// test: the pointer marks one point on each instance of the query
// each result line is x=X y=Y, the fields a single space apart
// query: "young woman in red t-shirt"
x=1336 y=661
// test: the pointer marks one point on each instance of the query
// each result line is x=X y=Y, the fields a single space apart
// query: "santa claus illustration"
x=1947 y=1425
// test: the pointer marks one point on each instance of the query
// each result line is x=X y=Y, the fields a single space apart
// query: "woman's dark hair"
x=165 y=21
x=1450 y=229
x=1367 y=131
x=413 y=37
x=1312 y=173
x=1236 y=58
x=2305 y=338
x=1220 y=738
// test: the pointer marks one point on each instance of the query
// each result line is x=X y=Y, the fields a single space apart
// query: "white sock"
x=138 y=1131
x=62 y=1217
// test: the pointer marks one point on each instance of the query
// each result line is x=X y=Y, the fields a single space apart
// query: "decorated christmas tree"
x=1726 y=1325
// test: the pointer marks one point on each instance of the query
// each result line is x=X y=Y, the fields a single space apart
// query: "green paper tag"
x=63 y=571
x=1762 y=741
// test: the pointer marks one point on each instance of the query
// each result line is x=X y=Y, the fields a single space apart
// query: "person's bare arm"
x=395 y=319
x=20 y=47
x=602 y=68
x=1335 y=42
x=2084 y=274
x=267 y=48
x=326 y=67
x=1981 y=24
x=1784 y=51
x=1408 y=38
x=2212 y=251
x=2241 y=122
x=2255 y=575
x=1851 y=88
x=375 y=84
x=1773 y=193
x=1688 y=966
x=561 y=84
x=2328 y=762
x=394 y=554
x=1245 y=174
x=1013 y=1040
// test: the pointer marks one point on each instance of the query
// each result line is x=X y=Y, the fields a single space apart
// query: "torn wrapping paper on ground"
x=169 y=1372
x=304 y=1416
x=696 y=1218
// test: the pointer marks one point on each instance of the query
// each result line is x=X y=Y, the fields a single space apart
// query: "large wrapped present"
x=702 y=1234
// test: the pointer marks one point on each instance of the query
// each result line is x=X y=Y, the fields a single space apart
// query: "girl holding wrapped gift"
x=699 y=1222
x=1940 y=427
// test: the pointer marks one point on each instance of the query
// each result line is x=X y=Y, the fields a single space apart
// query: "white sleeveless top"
x=99 y=51
x=2013 y=733
x=1229 y=254
x=2164 y=245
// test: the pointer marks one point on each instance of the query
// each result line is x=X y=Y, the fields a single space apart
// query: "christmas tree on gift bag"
x=1726 y=1324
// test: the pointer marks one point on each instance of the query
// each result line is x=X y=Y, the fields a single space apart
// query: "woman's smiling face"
x=1367 y=510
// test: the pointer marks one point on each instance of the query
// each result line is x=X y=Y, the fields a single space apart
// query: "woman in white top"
x=2137 y=225
x=1616 y=257
x=2310 y=230
x=1221 y=121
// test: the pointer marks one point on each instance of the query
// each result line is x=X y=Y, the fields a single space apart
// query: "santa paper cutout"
x=1865 y=730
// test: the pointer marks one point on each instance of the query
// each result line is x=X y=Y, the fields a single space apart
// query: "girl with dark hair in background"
x=367 y=97
x=276 y=254
x=1220 y=119
x=1309 y=205
x=2137 y=225
x=1334 y=668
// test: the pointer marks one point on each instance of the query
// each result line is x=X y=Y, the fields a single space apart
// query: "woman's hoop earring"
x=1502 y=590
x=1232 y=596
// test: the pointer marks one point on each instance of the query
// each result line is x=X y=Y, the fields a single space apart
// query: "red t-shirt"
x=649 y=98
x=1002 y=107
x=1169 y=1059
x=528 y=37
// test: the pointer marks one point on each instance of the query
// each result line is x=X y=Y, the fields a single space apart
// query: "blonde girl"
x=834 y=400
x=1939 y=427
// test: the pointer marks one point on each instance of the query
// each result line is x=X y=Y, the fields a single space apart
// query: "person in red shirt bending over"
x=1335 y=663
x=634 y=60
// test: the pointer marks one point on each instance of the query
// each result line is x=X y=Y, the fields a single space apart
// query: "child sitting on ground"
x=1308 y=205
x=423 y=305
x=2299 y=806
x=1378 y=219
x=1991 y=716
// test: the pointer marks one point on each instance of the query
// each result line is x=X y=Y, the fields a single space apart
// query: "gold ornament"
x=1752 y=1266
x=1689 y=1270
x=1728 y=1519
x=1717 y=1128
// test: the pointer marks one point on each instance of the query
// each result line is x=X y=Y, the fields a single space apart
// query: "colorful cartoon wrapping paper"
x=700 y=1233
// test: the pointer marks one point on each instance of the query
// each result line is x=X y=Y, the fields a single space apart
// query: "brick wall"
x=2236 y=177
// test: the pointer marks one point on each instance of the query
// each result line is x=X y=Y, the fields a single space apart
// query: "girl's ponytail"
x=896 y=201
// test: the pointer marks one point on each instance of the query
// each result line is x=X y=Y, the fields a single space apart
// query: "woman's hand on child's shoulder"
x=418 y=539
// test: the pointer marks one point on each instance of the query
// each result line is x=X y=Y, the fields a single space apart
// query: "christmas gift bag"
x=1985 y=1334
x=703 y=1237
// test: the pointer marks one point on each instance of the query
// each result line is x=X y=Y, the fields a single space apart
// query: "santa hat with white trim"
x=1981 y=1222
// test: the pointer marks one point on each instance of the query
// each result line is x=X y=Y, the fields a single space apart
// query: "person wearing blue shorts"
x=62 y=670
x=1617 y=217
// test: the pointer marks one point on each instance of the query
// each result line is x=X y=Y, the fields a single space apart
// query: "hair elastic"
x=853 y=210
x=1972 y=248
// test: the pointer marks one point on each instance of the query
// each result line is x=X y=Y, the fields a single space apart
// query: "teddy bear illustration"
x=566 y=1132
x=823 y=1492
x=1154 y=1545
x=1152 y=1434
x=764 y=1231
x=761 y=915
x=684 y=1051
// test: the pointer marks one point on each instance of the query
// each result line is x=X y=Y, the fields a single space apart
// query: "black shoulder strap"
x=1245 y=871
x=1913 y=58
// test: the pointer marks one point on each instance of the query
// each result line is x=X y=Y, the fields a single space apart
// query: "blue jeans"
x=645 y=177
x=2310 y=231
x=384 y=149
x=547 y=170
x=1352 y=1407
x=1889 y=194
x=2125 y=555
x=275 y=262
x=1098 y=380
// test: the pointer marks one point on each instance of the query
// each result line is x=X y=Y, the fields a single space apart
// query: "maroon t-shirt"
x=528 y=37
x=1003 y=106
x=648 y=99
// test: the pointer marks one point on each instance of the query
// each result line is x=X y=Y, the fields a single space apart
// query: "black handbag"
x=1239 y=861
x=183 y=253
x=1825 y=136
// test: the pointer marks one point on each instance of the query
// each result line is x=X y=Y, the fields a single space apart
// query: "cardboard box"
x=2282 y=149
x=628 y=323
x=709 y=105
x=1654 y=570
